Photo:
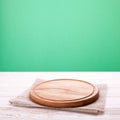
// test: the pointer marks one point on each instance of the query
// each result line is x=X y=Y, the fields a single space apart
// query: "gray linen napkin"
x=94 y=108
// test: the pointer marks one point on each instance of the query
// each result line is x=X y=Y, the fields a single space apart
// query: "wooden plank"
x=101 y=77
x=18 y=89
x=12 y=84
x=13 y=113
x=110 y=103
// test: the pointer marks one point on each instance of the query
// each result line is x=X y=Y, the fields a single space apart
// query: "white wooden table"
x=13 y=83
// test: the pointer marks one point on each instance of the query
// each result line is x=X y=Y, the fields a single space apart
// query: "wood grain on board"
x=64 y=93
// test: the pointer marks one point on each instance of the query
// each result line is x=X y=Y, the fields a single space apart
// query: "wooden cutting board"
x=64 y=93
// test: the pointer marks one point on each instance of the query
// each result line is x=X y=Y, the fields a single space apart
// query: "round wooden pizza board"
x=64 y=93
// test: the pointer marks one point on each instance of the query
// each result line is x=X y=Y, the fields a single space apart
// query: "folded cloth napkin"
x=97 y=107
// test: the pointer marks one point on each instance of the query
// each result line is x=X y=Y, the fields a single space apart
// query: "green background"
x=59 y=35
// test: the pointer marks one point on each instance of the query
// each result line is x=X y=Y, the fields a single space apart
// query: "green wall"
x=59 y=35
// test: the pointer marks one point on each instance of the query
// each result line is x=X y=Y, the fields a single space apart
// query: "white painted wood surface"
x=13 y=83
